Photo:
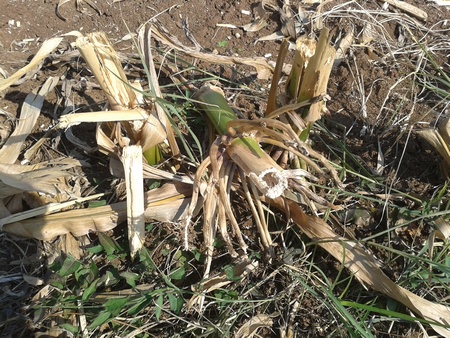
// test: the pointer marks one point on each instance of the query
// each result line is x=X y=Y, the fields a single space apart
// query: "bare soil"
x=368 y=107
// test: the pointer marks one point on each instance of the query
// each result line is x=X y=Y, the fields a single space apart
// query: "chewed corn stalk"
x=236 y=160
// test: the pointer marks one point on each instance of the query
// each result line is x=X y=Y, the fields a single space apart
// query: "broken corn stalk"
x=309 y=75
x=244 y=150
x=104 y=63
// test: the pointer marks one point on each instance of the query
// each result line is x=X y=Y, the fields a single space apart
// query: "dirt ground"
x=361 y=78
x=369 y=106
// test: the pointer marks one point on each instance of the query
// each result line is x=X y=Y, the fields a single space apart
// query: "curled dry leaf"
x=250 y=328
x=442 y=229
x=46 y=177
x=260 y=19
x=209 y=284
x=343 y=46
x=440 y=139
x=290 y=26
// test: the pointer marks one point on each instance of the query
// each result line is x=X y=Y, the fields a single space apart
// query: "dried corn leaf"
x=29 y=114
x=442 y=229
x=150 y=172
x=38 y=180
x=343 y=46
x=260 y=19
x=210 y=284
x=91 y=3
x=250 y=328
x=290 y=27
x=46 y=49
x=442 y=2
x=144 y=38
x=166 y=204
x=58 y=6
x=270 y=37
x=444 y=130
x=263 y=69
x=79 y=143
x=364 y=266
x=408 y=8
x=77 y=222
x=46 y=209
x=440 y=140
x=434 y=138
x=46 y=178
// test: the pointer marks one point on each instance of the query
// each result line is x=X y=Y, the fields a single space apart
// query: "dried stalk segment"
x=132 y=162
x=310 y=73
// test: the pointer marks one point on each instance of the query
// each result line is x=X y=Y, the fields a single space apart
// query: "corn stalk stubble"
x=351 y=254
x=145 y=130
